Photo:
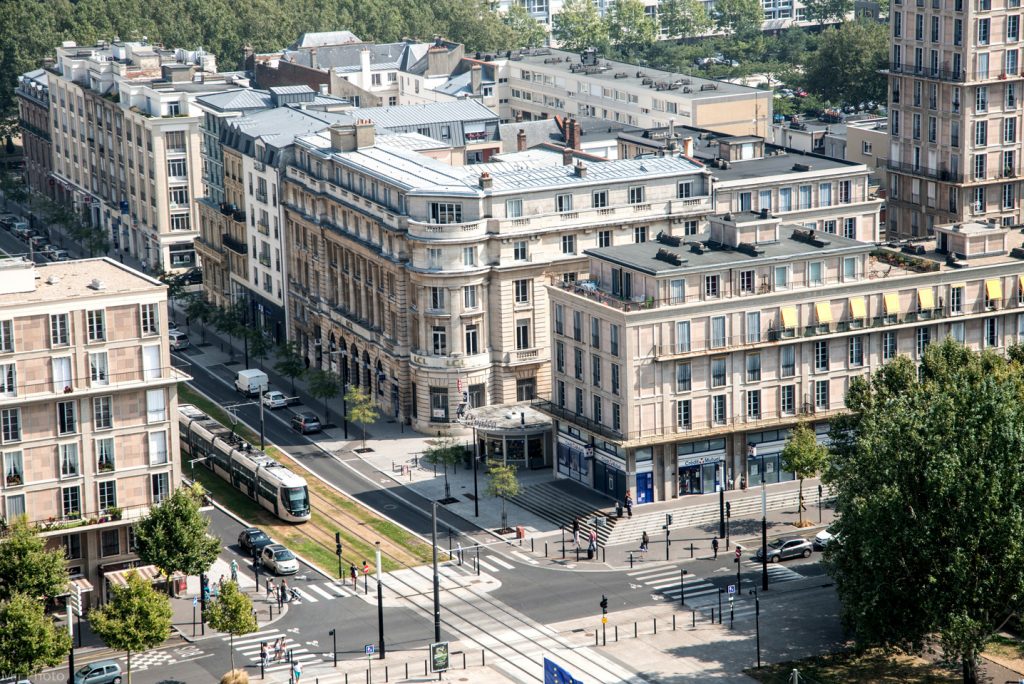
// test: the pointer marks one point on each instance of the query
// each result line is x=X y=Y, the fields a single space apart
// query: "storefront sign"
x=699 y=460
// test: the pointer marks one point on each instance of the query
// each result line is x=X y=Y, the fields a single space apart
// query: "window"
x=469 y=297
x=923 y=340
x=157 y=448
x=513 y=208
x=821 y=395
x=150 y=322
x=991 y=332
x=781 y=277
x=682 y=336
x=595 y=370
x=850 y=270
x=825 y=194
x=10 y=424
x=439 y=340
x=787 y=399
x=177 y=168
x=15 y=506
x=103 y=412
x=72 y=544
x=519 y=251
x=856 y=350
x=523 y=333
x=616 y=417
x=160 y=486
x=684 y=189
x=6 y=336
x=615 y=378
x=156 y=405
x=820 y=356
x=563 y=203
x=717 y=331
x=753 y=367
x=747 y=282
x=787 y=361
x=559 y=319
x=69 y=460
x=577 y=326
x=613 y=339
x=754 y=404
x=850 y=228
x=445 y=212
x=595 y=332
x=888 y=345
x=684 y=377
x=711 y=286
x=1012 y=28
x=151 y=362
x=71 y=502
x=105 y=454
x=579 y=401
x=718 y=412
x=98 y=372
x=8 y=380
x=718 y=373
x=59 y=330
x=984 y=31
x=981 y=133
x=577 y=363
x=639 y=234
x=785 y=199
x=744 y=201
x=469 y=256
x=14 y=468
x=67 y=418
x=636 y=194
x=110 y=543
x=805 y=196
x=764 y=200
x=568 y=244
x=437 y=298
x=597 y=406
x=600 y=199
x=472 y=339
x=684 y=414
x=559 y=357
x=96 y=325
x=956 y=299
x=434 y=257
x=522 y=291
x=981 y=99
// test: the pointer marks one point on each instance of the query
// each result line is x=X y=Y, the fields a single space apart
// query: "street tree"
x=290 y=363
x=928 y=478
x=526 y=31
x=259 y=343
x=827 y=11
x=579 y=26
x=198 y=309
x=446 y=451
x=13 y=187
x=174 y=536
x=27 y=567
x=741 y=19
x=803 y=457
x=684 y=18
x=231 y=612
x=229 y=321
x=361 y=408
x=135 y=618
x=630 y=30
x=29 y=638
x=862 y=48
x=504 y=484
x=323 y=384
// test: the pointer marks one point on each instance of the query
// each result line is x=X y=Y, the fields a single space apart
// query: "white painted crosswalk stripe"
x=525 y=559
x=305 y=597
x=340 y=591
x=495 y=559
x=317 y=590
x=640 y=574
x=487 y=566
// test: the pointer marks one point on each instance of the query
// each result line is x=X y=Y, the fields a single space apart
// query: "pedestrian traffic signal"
x=204 y=589
x=668 y=520
x=604 y=604
x=337 y=544
x=728 y=510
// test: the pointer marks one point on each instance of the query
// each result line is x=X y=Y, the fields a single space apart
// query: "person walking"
x=271 y=587
x=285 y=596
x=279 y=649
x=354 y=574
x=592 y=546
x=234 y=571
x=645 y=541
x=458 y=550
x=629 y=504
x=264 y=655
x=576 y=532
x=296 y=672
x=714 y=547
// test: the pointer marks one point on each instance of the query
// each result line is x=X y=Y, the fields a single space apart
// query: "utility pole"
x=757 y=624
x=337 y=552
x=721 y=504
x=437 y=581
x=604 y=620
x=764 y=530
x=380 y=604
x=476 y=458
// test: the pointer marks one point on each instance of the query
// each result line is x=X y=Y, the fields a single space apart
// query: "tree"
x=827 y=11
x=259 y=343
x=27 y=567
x=323 y=384
x=231 y=612
x=29 y=639
x=503 y=483
x=13 y=187
x=935 y=463
x=804 y=457
x=739 y=18
x=526 y=31
x=201 y=310
x=290 y=363
x=684 y=18
x=448 y=452
x=136 y=618
x=862 y=48
x=629 y=28
x=174 y=536
x=229 y=321
x=361 y=408
x=579 y=26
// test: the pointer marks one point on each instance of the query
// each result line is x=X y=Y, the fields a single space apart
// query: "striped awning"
x=81 y=583
x=150 y=573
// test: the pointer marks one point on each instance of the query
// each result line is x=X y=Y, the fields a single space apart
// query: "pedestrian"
x=297 y=671
x=285 y=596
x=645 y=541
x=458 y=550
x=271 y=588
x=279 y=649
x=714 y=546
x=220 y=582
x=353 y=574
x=629 y=504
x=234 y=571
x=295 y=595
x=576 y=532
x=264 y=654
x=592 y=546
x=280 y=596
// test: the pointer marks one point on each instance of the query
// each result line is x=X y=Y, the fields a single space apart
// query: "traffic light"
x=668 y=520
x=819 y=491
x=728 y=510
x=204 y=589
x=604 y=604
x=337 y=544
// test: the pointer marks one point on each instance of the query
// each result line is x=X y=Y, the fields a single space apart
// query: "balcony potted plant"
x=114 y=512
x=13 y=479
x=106 y=467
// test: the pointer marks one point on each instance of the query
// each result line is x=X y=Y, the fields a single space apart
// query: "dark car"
x=252 y=540
x=781 y=549
x=39 y=242
x=306 y=422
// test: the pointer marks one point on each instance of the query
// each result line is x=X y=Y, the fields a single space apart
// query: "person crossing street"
x=714 y=547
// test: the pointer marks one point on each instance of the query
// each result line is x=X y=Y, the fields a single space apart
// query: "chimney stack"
x=486 y=181
x=573 y=131
x=581 y=169
x=365 y=134
x=567 y=156
x=475 y=79
x=521 y=141
x=688 y=146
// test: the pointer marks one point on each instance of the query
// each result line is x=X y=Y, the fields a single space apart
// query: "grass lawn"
x=1007 y=651
x=848 y=668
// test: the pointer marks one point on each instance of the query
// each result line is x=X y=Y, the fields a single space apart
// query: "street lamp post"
x=380 y=605
x=437 y=582
x=757 y=624
x=476 y=458
x=343 y=353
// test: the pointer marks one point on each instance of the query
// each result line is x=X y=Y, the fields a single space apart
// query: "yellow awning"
x=858 y=308
x=824 y=312
x=789 y=317
x=994 y=289
x=1020 y=283
x=892 y=303
x=925 y=298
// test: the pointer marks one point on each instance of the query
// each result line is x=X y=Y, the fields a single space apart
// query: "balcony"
x=44 y=390
x=927 y=72
x=944 y=175
x=679 y=209
x=236 y=246
x=452 y=231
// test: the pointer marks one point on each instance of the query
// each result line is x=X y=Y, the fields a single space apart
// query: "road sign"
x=369 y=649
x=604 y=619
x=195 y=601
x=439 y=657
x=732 y=588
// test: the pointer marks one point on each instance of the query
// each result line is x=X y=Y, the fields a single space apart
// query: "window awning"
x=994 y=289
x=1020 y=284
x=150 y=573
x=858 y=308
x=823 y=311
x=789 y=317
x=892 y=303
x=925 y=299
x=83 y=585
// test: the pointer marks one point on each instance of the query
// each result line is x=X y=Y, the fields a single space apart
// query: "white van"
x=251 y=382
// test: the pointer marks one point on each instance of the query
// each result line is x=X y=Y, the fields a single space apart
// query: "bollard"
x=463 y=660
x=616 y=633
x=693 y=619
x=531 y=544
x=634 y=629
x=596 y=642
x=483 y=658
x=655 y=625
x=712 y=615
x=691 y=549
x=545 y=549
x=346 y=678
x=407 y=670
x=424 y=668
x=478 y=559
x=674 y=622
x=604 y=554
x=630 y=560
x=577 y=554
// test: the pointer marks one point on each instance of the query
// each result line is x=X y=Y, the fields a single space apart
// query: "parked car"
x=823 y=539
x=274 y=399
x=57 y=254
x=8 y=221
x=781 y=549
x=39 y=242
x=178 y=339
x=279 y=559
x=253 y=539
x=306 y=422
x=22 y=231
x=100 y=672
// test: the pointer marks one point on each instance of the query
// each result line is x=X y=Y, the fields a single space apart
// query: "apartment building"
x=87 y=399
x=34 y=123
x=818 y=193
x=682 y=365
x=954 y=121
x=424 y=281
x=126 y=143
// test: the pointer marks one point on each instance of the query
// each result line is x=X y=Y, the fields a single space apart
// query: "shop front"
x=701 y=466
x=610 y=474
x=764 y=455
x=513 y=435
x=644 y=475
x=574 y=457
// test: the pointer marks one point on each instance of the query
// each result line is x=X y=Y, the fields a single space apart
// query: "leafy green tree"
x=135 y=619
x=827 y=11
x=290 y=363
x=447 y=452
x=27 y=567
x=629 y=28
x=361 y=408
x=526 y=31
x=475 y=23
x=174 y=535
x=13 y=187
x=259 y=343
x=683 y=18
x=231 y=612
x=579 y=26
x=503 y=483
x=804 y=457
x=29 y=638
x=229 y=321
x=935 y=463
x=198 y=309
x=323 y=384
x=739 y=18
x=862 y=48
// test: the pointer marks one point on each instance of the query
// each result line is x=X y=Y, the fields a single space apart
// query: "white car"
x=178 y=340
x=823 y=539
x=274 y=399
x=279 y=559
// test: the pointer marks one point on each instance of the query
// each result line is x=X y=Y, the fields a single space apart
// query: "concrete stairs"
x=551 y=501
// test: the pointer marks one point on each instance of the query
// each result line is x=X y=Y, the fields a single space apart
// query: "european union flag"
x=554 y=674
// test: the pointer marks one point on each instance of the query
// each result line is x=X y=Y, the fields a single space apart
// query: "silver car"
x=781 y=549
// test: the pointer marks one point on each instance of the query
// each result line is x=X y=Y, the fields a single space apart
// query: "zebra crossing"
x=313 y=592
x=248 y=647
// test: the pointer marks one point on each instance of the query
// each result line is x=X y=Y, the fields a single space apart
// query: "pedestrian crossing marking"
x=340 y=591
x=315 y=589
x=487 y=566
x=507 y=566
